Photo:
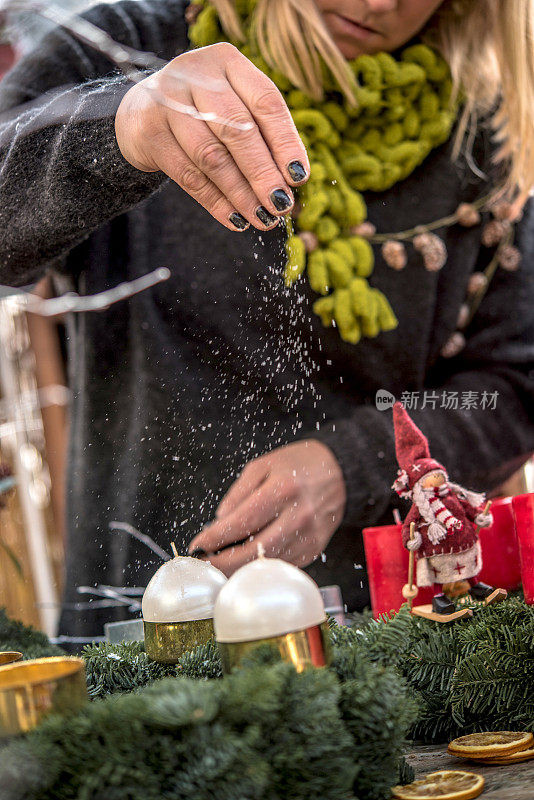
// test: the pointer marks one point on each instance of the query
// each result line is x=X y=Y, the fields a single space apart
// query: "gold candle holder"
x=178 y=607
x=304 y=649
x=166 y=642
x=272 y=603
x=9 y=657
x=30 y=690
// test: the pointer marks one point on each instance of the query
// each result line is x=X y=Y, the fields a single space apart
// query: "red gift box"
x=523 y=508
x=387 y=559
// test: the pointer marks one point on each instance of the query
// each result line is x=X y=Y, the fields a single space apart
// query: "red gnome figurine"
x=446 y=517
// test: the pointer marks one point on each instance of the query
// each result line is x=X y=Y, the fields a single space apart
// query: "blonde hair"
x=489 y=45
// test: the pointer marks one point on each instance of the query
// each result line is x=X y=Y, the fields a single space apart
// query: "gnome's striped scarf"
x=439 y=519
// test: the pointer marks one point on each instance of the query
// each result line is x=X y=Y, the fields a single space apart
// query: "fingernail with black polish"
x=265 y=217
x=297 y=171
x=238 y=221
x=280 y=200
x=197 y=552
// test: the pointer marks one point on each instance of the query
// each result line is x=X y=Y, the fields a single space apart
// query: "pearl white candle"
x=183 y=589
x=266 y=598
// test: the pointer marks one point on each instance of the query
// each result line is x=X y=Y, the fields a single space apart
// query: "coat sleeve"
x=471 y=511
x=61 y=172
x=480 y=446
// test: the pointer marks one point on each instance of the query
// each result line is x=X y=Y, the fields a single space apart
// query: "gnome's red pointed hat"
x=412 y=450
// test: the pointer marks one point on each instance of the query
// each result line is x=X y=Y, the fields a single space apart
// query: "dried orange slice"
x=491 y=744
x=447 y=784
x=513 y=758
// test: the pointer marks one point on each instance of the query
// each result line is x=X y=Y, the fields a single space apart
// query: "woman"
x=221 y=393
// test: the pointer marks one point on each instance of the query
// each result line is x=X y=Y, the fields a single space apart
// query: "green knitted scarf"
x=403 y=111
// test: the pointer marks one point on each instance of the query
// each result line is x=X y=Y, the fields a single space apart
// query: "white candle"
x=183 y=589
x=264 y=599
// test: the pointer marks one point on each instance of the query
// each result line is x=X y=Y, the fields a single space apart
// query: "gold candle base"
x=166 y=642
x=9 y=657
x=30 y=690
x=304 y=649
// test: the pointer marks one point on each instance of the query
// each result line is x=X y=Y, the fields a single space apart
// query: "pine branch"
x=204 y=662
x=125 y=667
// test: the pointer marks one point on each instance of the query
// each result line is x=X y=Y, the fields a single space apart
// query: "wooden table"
x=514 y=782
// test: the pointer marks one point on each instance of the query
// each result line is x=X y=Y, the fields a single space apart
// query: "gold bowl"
x=9 y=657
x=30 y=690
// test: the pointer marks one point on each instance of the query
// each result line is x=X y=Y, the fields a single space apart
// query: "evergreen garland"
x=329 y=733
x=264 y=732
x=378 y=711
x=477 y=674
x=112 y=668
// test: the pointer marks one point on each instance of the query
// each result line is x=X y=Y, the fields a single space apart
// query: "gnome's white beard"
x=437 y=531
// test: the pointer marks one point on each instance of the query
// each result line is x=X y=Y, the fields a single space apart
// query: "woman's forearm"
x=61 y=176
x=61 y=172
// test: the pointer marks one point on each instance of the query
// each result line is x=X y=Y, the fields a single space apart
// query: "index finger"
x=269 y=109
x=253 y=514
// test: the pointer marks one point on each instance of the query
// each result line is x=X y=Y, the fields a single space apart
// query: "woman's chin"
x=352 y=50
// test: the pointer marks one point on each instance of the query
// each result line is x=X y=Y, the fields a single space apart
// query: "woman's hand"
x=291 y=500
x=239 y=176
